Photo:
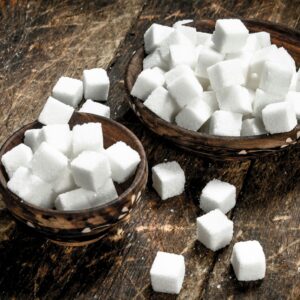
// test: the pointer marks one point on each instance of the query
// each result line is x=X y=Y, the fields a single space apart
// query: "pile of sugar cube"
x=214 y=231
x=228 y=83
x=70 y=169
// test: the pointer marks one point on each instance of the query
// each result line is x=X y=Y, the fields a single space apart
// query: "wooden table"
x=39 y=42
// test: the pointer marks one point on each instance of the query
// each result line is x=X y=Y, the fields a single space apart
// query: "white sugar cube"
x=297 y=84
x=32 y=138
x=248 y=261
x=147 y=81
x=203 y=37
x=176 y=72
x=226 y=73
x=279 y=117
x=48 y=163
x=252 y=126
x=194 y=115
x=206 y=58
x=168 y=179
x=31 y=188
x=245 y=59
x=225 y=123
x=90 y=170
x=210 y=98
x=294 y=82
x=19 y=156
x=55 y=112
x=182 y=54
x=252 y=81
x=252 y=43
x=218 y=194
x=154 y=59
x=230 y=35
x=294 y=99
x=64 y=183
x=95 y=84
x=74 y=200
x=184 y=89
x=235 y=98
x=167 y=273
x=263 y=38
x=155 y=35
x=92 y=107
x=58 y=136
x=275 y=78
x=162 y=104
x=214 y=230
x=123 y=161
x=286 y=59
x=188 y=31
x=68 y=90
x=87 y=136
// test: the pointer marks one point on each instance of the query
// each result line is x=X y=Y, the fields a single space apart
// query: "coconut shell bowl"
x=82 y=226
x=218 y=147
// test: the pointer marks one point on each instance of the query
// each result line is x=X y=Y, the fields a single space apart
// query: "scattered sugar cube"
x=235 y=98
x=252 y=43
x=188 y=31
x=147 y=81
x=203 y=37
x=123 y=161
x=182 y=54
x=95 y=84
x=31 y=188
x=214 y=230
x=168 y=179
x=194 y=115
x=87 y=136
x=32 y=138
x=154 y=59
x=155 y=35
x=286 y=59
x=48 y=163
x=162 y=104
x=226 y=73
x=218 y=194
x=279 y=117
x=263 y=38
x=184 y=89
x=58 y=136
x=294 y=99
x=92 y=107
x=248 y=261
x=297 y=85
x=252 y=81
x=176 y=72
x=167 y=273
x=275 y=78
x=230 y=35
x=64 y=183
x=294 y=82
x=225 y=123
x=210 y=98
x=19 y=156
x=90 y=170
x=68 y=90
x=55 y=112
x=252 y=126
x=245 y=59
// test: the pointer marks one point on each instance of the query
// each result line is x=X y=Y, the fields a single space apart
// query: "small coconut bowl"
x=218 y=147
x=82 y=226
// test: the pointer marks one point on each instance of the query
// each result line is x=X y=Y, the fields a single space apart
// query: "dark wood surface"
x=40 y=41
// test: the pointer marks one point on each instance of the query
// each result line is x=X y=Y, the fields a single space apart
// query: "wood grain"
x=268 y=206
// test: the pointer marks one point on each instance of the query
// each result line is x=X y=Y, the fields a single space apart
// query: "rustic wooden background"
x=42 y=40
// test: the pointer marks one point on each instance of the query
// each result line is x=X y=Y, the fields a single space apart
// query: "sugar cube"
x=168 y=179
x=245 y=59
x=235 y=98
x=275 y=78
x=187 y=31
x=252 y=43
x=167 y=273
x=58 y=136
x=203 y=37
x=194 y=115
x=176 y=72
x=154 y=59
x=48 y=163
x=230 y=35
x=210 y=98
x=92 y=107
x=95 y=84
x=147 y=81
x=182 y=54
x=248 y=261
x=32 y=138
x=294 y=82
x=294 y=99
x=252 y=126
x=263 y=38
x=214 y=230
x=162 y=104
x=87 y=136
x=218 y=194
x=64 y=183
x=226 y=73
x=297 y=84
x=184 y=89
x=279 y=117
x=68 y=90
x=18 y=156
x=90 y=170
x=31 y=188
x=252 y=81
x=55 y=112
x=123 y=161
x=225 y=123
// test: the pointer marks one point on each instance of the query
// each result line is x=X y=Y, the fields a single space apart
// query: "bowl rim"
x=196 y=134
x=138 y=177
